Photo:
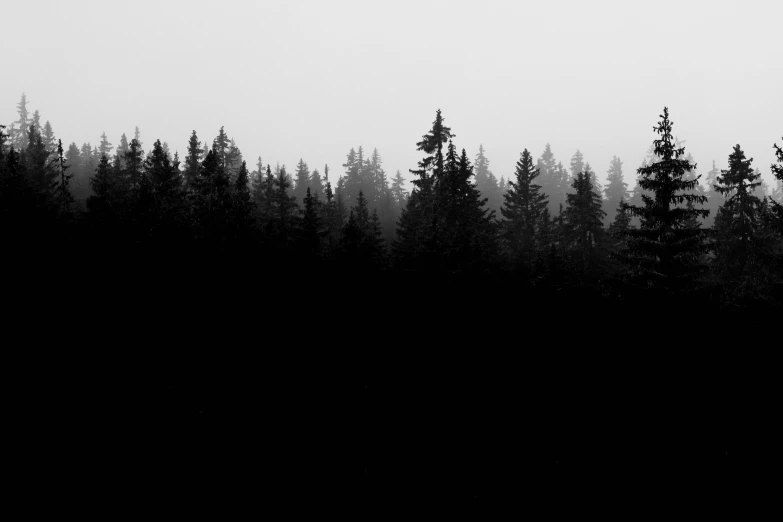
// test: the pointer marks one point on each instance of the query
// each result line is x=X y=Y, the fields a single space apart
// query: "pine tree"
x=165 y=178
x=47 y=134
x=36 y=121
x=584 y=216
x=522 y=210
x=663 y=252
x=616 y=188
x=481 y=168
x=104 y=147
x=41 y=171
x=398 y=192
x=312 y=231
x=102 y=183
x=738 y=223
x=193 y=160
x=352 y=178
x=416 y=243
x=133 y=160
x=137 y=137
x=316 y=183
x=549 y=180
x=776 y=200
x=301 y=180
x=620 y=225
x=577 y=165
x=285 y=208
x=63 y=199
x=243 y=205
x=20 y=139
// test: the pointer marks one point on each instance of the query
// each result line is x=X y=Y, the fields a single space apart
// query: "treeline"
x=547 y=227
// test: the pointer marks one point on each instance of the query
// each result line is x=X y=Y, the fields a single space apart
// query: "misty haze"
x=385 y=236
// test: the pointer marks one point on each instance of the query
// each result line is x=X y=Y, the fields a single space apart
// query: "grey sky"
x=311 y=79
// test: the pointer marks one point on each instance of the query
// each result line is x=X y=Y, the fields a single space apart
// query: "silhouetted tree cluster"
x=547 y=226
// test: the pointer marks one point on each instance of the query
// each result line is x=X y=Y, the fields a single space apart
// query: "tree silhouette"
x=663 y=252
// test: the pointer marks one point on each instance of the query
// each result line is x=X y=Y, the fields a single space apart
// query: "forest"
x=197 y=306
x=133 y=214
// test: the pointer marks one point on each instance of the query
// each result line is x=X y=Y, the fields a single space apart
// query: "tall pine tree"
x=663 y=252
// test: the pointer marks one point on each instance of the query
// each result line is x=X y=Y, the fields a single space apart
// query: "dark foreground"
x=470 y=395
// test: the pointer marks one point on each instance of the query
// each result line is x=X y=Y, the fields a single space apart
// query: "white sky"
x=311 y=79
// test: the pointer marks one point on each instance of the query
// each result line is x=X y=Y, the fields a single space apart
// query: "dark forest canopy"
x=547 y=228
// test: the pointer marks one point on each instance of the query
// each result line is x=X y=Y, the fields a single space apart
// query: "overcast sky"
x=311 y=79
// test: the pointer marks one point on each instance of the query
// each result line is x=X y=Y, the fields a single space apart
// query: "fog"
x=311 y=79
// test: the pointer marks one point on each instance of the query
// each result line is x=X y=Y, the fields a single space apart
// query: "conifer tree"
x=122 y=150
x=481 y=168
x=301 y=180
x=36 y=122
x=776 y=201
x=416 y=243
x=616 y=188
x=133 y=164
x=398 y=192
x=20 y=139
x=316 y=183
x=263 y=198
x=285 y=210
x=47 y=134
x=41 y=171
x=62 y=195
x=104 y=147
x=102 y=184
x=577 y=165
x=193 y=160
x=243 y=205
x=620 y=225
x=165 y=178
x=351 y=179
x=662 y=252
x=584 y=218
x=522 y=210
x=312 y=230
x=137 y=137
x=738 y=215
x=548 y=179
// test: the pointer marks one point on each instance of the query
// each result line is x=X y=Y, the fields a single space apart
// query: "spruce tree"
x=398 y=192
x=193 y=160
x=137 y=137
x=165 y=178
x=47 y=134
x=522 y=210
x=133 y=159
x=20 y=139
x=41 y=171
x=301 y=180
x=776 y=200
x=243 y=206
x=620 y=225
x=104 y=147
x=663 y=253
x=316 y=183
x=616 y=188
x=352 y=178
x=63 y=199
x=548 y=179
x=481 y=167
x=285 y=210
x=312 y=231
x=102 y=183
x=577 y=165
x=584 y=216
x=738 y=215
x=416 y=243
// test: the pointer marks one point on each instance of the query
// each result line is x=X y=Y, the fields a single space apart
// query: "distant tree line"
x=547 y=226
